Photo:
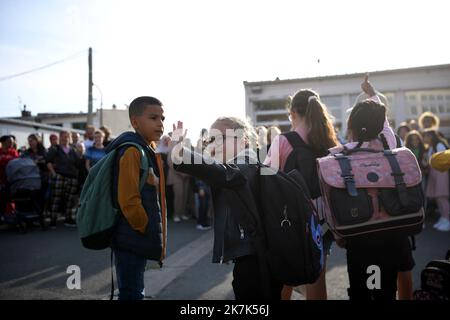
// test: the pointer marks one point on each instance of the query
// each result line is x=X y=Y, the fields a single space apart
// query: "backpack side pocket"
x=390 y=200
x=349 y=210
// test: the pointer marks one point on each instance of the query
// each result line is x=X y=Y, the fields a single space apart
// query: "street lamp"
x=101 y=104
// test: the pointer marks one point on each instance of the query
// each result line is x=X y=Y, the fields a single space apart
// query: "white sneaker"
x=444 y=226
x=438 y=223
x=176 y=219
x=203 y=228
x=184 y=217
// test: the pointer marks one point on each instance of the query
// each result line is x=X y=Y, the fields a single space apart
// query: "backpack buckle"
x=285 y=221
x=348 y=178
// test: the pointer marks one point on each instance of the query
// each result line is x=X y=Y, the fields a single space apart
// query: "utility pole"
x=89 y=116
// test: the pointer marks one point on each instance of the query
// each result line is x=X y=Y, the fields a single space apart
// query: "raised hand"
x=367 y=87
x=177 y=134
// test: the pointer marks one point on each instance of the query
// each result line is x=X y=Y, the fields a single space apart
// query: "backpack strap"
x=346 y=169
x=385 y=143
x=295 y=140
x=398 y=176
x=296 y=143
x=398 y=141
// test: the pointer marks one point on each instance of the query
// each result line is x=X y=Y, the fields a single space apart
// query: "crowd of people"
x=207 y=191
x=424 y=139
x=63 y=168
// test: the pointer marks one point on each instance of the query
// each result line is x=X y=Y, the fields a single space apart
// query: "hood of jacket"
x=127 y=136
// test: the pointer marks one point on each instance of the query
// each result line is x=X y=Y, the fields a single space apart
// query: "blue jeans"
x=130 y=270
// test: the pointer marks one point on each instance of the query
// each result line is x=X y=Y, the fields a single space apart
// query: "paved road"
x=33 y=266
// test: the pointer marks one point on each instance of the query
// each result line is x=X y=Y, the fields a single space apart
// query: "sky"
x=194 y=55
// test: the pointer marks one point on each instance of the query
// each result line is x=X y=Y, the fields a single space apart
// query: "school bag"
x=288 y=237
x=97 y=212
x=368 y=190
x=435 y=281
x=303 y=158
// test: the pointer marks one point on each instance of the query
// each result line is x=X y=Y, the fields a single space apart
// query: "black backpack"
x=303 y=158
x=435 y=281
x=288 y=236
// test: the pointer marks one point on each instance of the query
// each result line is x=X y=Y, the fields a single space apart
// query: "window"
x=436 y=101
x=353 y=99
x=336 y=114
x=79 y=125
x=332 y=101
x=257 y=89
x=390 y=99
x=272 y=117
x=271 y=105
x=284 y=128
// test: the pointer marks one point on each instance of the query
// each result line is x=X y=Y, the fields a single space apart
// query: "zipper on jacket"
x=242 y=232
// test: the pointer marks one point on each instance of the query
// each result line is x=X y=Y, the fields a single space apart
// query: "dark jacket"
x=64 y=164
x=231 y=184
x=149 y=244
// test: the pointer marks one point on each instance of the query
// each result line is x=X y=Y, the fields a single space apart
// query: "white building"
x=409 y=92
x=21 y=129
x=116 y=119
x=47 y=123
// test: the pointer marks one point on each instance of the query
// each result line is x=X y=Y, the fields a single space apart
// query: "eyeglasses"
x=218 y=140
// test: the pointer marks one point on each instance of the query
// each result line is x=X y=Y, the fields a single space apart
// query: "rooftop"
x=37 y=126
x=347 y=75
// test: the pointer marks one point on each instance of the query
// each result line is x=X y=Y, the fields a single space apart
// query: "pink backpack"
x=367 y=190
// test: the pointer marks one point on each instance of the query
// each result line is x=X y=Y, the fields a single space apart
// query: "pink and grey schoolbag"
x=369 y=190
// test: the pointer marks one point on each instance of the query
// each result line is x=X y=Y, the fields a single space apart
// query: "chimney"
x=25 y=113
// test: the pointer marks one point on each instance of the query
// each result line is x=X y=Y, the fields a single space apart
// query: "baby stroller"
x=24 y=184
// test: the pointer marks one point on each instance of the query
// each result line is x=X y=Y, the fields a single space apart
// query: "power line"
x=42 y=67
